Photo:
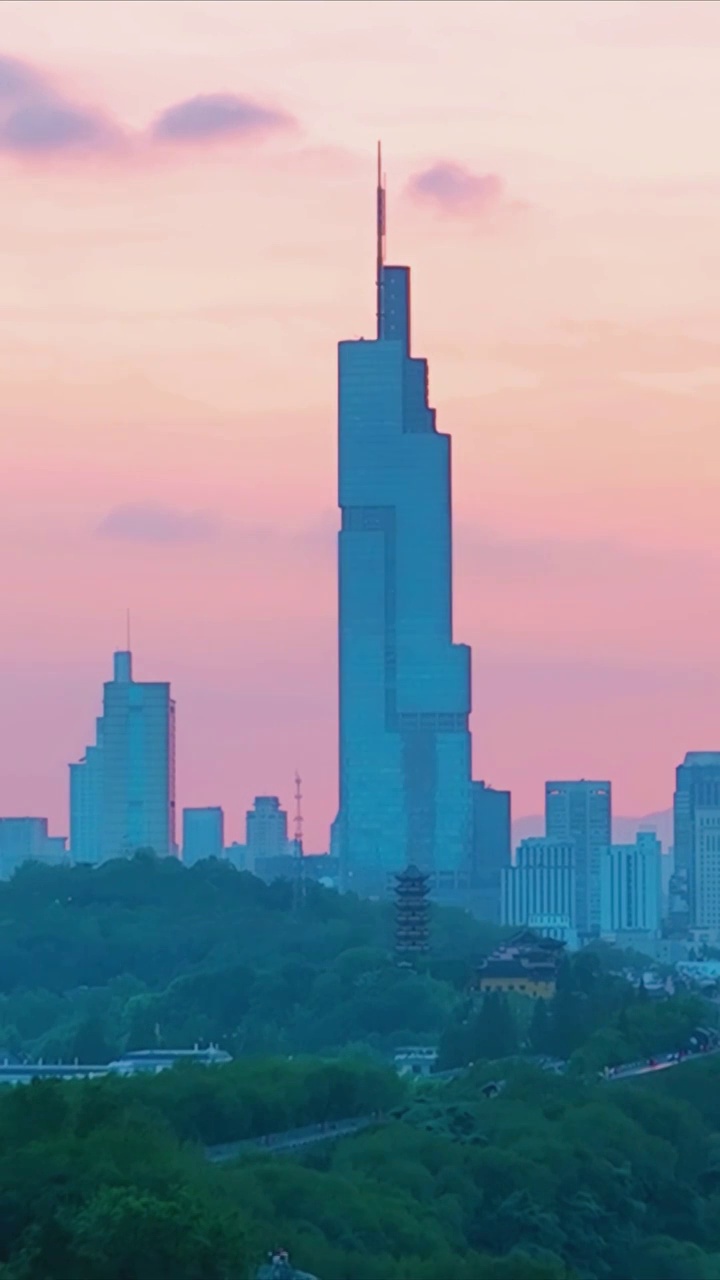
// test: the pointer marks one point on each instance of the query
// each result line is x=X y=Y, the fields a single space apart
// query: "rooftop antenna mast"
x=380 y=239
x=298 y=819
x=299 y=877
x=127 y=622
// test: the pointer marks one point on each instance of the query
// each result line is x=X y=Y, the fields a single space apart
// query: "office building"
x=404 y=685
x=54 y=852
x=203 y=834
x=236 y=855
x=540 y=884
x=491 y=847
x=581 y=812
x=667 y=871
x=86 y=802
x=695 y=886
x=631 y=887
x=266 y=831
x=21 y=840
x=122 y=793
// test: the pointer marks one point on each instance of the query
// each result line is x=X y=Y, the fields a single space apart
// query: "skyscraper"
x=491 y=847
x=582 y=812
x=405 y=755
x=122 y=794
x=696 y=808
x=266 y=831
x=203 y=834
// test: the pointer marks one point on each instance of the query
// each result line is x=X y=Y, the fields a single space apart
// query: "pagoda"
x=412 y=913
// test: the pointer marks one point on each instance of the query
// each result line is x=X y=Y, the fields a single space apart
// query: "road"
x=292 y=1139
x=661 y=1063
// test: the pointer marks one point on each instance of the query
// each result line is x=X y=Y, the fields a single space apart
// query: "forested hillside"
x=146 y=951
x=554 y=1179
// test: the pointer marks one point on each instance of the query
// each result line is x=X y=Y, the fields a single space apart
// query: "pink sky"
x=174 y=285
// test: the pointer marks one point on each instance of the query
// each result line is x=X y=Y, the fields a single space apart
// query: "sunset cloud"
x=147 y=522
x=451 y=188
x=37 y=119
x=210 y=116
x=53 y=127
x=18 y=79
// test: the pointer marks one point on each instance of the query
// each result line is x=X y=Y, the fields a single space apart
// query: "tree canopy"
x=143 y=951
x=553 y=1179
x=549 y=1177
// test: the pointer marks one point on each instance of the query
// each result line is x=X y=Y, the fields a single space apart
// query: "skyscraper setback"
x=122 y=793
x=405 y=751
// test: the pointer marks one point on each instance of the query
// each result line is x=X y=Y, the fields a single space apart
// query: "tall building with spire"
x=122 y=793
x=404 y=685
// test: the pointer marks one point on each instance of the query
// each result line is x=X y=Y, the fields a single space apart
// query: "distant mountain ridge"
x=624 y=829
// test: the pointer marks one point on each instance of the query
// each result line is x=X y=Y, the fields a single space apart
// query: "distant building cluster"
x=122 y=800
x=407 y=796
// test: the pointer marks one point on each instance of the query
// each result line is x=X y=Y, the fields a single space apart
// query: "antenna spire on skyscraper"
x=380 y=239
x=298 y=820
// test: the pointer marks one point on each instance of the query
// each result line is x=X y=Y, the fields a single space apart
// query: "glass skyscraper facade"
x=122 y=794
x=405 y=750
x=581 y=811
x=203 y=834
x=491 y=847
x=696 y=808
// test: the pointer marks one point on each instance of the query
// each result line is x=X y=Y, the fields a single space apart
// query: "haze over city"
x=187 y=231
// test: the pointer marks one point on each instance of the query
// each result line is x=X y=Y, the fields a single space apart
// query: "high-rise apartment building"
x=696 y=807
x=404 y=685
x=581 y=812
x=266 y=831
x=203 y=834
x=122 y=794
x=541 y=884
x=491 y=847
x=630 y=886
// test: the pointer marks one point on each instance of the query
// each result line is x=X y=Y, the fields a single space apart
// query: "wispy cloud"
x=151 y=523
x=509 y=557
x=53 y=127
x=17 y=78
x=603 y=350
x=156 y=522
x=36 y=119
x=39 y=120
x=689 y=24
x=209 y=116
x=450 y=188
